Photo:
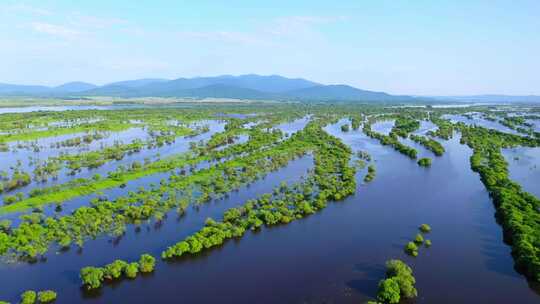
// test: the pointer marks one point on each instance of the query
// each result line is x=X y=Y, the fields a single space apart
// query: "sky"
x=421 y=47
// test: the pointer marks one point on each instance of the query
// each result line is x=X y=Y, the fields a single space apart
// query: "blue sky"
x=402 y=47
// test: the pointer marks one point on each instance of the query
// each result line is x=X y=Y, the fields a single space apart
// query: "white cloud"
x=55 y=30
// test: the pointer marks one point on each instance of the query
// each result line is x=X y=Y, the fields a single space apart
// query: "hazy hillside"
x=14 y=89
x=137 y=82
x=226 y=86
x=72 y=87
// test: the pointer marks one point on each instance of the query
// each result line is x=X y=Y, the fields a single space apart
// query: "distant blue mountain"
x=72 y=87
x=263 y=84
x=15 y=89
x=226 y=86
x=137 y=83
x=219 y=91
x=267 y=84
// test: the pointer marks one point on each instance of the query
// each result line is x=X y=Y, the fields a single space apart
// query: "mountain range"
x=249 y=86
x=226 y=86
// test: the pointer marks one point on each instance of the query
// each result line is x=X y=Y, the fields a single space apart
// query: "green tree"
x=131 y=270
x=419 y=239
x=92 y=277
x=147 y=263
x=46 y=296
x=28 y=297
x=425 y=228
x=114 y=270
x=403 y=275
x=388 y=291
x=411 y=249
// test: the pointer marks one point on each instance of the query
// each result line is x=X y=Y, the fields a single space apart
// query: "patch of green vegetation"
x=52 y=132
x=425 y=228
x=372 y=172
x=445 y=128
x=405 y=125
x=93 y=277
x=411 y=249
x=356 y=120
x=391 y=140
x=28 y=297
x=430 y=144
x=419 y=239
x=399 y=283
x=424 y=162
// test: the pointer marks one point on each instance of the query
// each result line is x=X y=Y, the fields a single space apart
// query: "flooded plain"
x=334 y=256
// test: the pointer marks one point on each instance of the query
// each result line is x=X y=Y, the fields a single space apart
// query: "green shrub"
x=388 y=291
x=114 y=270
x=92 y=277
x=10 y=199
x=131 y=270
x=46 y=296
x=425 y=228
x=147 y=263
x=28 y=297
x=419 y=239
x=402 y=274
x=424 y=162
x=411 y=249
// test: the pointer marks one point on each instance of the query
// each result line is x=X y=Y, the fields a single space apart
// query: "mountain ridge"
x=247 y=86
